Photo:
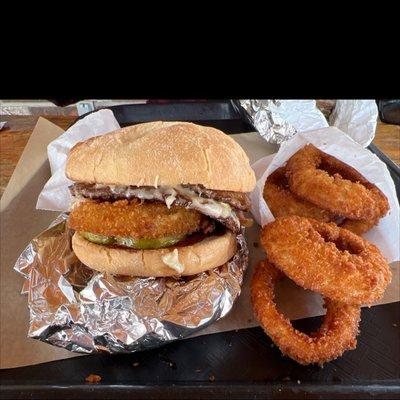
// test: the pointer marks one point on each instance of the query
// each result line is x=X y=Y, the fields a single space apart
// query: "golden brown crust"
x=162 y=153
x=326 y=259
x=337 y=333
x=282 y=202
x=358 y=226
x=134 y=219
x=211 y=252
x=333 y=185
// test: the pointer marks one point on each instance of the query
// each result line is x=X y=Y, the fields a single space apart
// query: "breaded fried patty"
x=134 y=219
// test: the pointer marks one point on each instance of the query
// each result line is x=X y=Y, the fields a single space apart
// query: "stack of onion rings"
x=346 y=269
x=316 y=185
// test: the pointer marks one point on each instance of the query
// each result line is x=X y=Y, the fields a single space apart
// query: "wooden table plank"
x=14 y=137
x=387 y=138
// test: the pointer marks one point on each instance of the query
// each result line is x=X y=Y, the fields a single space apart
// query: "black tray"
x=242 y=364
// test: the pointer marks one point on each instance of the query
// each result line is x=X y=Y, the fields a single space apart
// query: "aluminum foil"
x=85 y=311
x=278 y=120
x=266 y=118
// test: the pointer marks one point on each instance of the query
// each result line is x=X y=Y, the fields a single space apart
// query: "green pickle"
x=133 y=243
x=98 y=239
x=147 y=243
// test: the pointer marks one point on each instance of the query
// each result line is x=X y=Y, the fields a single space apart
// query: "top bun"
x=162 y=153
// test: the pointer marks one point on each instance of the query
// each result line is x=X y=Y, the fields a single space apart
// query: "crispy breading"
x=333 y=185
x=134 y=219
x=358 y=226
x=337 y=333
x=282 y=202
x=326 y=259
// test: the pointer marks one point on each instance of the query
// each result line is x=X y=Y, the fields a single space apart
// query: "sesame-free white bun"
x=162 y=153
x=211 y=252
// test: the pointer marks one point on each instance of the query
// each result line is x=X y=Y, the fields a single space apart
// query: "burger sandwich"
x=159 y=199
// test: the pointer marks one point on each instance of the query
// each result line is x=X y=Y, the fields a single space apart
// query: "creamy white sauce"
x=145 y=194
x=169 y=200
x=214 y=208
x=172 y=261
x=211 y=207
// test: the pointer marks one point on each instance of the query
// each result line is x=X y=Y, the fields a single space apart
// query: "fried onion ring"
x=134 y=219
x=326 y=259
x=282 y=202
x=358 y=226
x=337 y=333
x=333 y=185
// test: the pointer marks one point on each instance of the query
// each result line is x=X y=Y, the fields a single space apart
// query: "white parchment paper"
x=55 y=195
x=335 y=142
x=357 y=118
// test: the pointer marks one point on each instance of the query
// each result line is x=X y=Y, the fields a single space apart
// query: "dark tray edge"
x=390 y=390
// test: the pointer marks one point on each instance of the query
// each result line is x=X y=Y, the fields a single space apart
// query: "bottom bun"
x=209 y=253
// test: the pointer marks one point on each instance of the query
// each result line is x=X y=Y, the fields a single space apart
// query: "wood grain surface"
x=15 y=135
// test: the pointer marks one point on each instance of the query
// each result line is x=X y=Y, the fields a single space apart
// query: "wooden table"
x=14 y=137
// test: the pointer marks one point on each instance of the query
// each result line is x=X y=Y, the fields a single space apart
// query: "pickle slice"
x=148 y=243
x=98 y=239
x=133 y=243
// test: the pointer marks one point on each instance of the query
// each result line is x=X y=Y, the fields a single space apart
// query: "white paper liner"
x=55 y=195
x=356 y=117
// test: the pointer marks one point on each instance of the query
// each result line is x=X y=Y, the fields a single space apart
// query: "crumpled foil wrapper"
x=266 y=118
x=279 y=120
x=82 y=310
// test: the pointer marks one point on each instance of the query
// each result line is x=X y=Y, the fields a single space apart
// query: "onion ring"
x=333 y=185
x=326 y=259
x=337 y=333
x=282 y=202
x=358 y=226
